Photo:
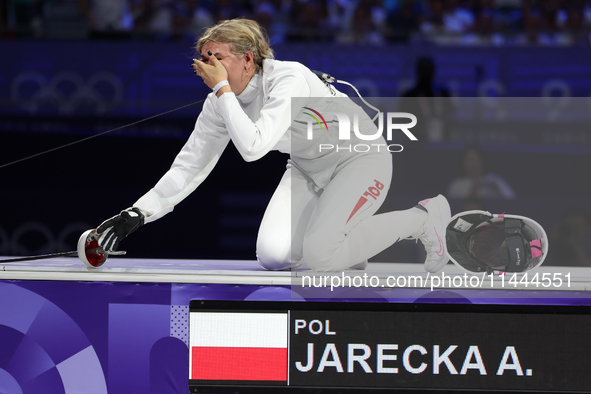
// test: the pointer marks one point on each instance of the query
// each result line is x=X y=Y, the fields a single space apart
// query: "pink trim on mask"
x=536 y=242
x=535 y=252
x=424 y=202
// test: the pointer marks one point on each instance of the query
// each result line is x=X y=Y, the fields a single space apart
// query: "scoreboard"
x=293 y=346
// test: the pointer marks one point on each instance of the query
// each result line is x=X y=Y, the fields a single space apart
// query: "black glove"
x=118 y=227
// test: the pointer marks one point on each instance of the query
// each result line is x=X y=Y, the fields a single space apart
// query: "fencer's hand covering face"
x=113 y=230
x=224 y=65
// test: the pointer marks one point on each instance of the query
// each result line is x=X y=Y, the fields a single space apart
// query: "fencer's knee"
x=275 y=265
x=274 y=256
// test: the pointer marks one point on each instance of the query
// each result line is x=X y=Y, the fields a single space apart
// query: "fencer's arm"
x=192 y=165
x=255 y=139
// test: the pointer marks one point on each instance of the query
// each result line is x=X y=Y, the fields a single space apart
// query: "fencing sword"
x=88 y=251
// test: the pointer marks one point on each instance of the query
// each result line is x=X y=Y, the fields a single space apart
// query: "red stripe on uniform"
x=239 y=363
x=362 y=200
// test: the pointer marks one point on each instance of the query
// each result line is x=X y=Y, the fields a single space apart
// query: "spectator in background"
x=339 y=14
x=3 y=19
x=403 y=21
x=533 y=27
x=22 y=18
x=308 y=21
x=456 y=18
x=425 y=84
x=107 y=19
x=447 y=22
x=429 y=101
x=510 y=17
x=574 y=29
x=586 y=6
x=486 y=23
x=366 y=23
x=433 y=22
x=200 y=17
x=476 y=181
x=570 y=243
x=551 y=15
x=272 y=15
x=230 y=9
x=161 y=19
x=502 y=24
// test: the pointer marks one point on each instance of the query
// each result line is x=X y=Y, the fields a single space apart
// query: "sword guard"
x=89 y=251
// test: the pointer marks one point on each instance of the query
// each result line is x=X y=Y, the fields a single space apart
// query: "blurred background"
x=71 y=69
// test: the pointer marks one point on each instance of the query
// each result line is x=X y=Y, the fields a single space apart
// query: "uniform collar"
x=251 y=90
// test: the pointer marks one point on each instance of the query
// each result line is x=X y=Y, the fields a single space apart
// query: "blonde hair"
x=243 y=35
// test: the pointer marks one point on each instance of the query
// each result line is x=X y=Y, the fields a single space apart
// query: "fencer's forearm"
x=255 y=139
x=191 y=166
x=176 y=185
x=250 y=141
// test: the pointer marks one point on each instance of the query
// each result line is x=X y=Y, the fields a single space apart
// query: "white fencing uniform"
x=324 y=191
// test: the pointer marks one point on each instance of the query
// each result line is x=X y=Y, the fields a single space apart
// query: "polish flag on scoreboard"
x=238 y=346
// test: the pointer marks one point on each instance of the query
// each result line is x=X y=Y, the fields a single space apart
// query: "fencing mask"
x=479 y=241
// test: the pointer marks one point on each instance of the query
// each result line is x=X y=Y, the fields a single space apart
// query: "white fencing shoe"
x=433 y=232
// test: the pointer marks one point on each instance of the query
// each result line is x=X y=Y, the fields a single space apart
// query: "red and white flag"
x=238 y=346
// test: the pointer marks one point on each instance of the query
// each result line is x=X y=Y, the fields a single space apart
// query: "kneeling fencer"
x=322 y=212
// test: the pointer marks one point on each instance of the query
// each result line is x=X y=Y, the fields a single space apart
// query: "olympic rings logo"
x=19 y=244
x=67 y=91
